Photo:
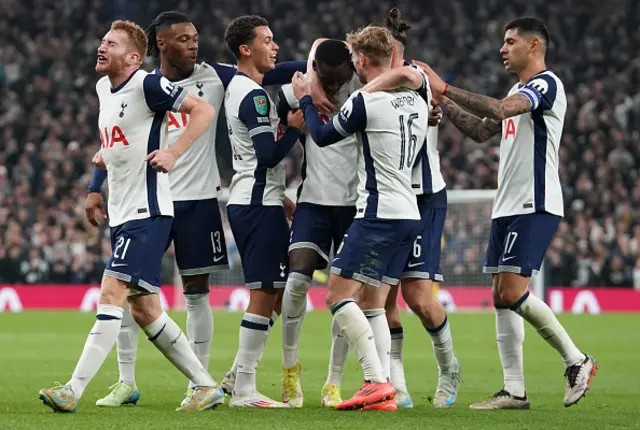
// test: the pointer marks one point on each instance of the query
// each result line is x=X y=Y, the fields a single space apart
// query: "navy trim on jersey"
x=260 y=181
x=539 y=96
x=427 y=180
x=225 y=72
x=153 y=144
x=371 y=183
x=283 y=73
x=539 y=158
x=162 y=96
x=121 y=86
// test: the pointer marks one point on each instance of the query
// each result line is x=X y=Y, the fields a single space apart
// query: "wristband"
x=446 y=87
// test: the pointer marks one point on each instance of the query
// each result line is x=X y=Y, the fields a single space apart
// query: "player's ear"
x=135 y=58
x=314 y=64
x=245 y=50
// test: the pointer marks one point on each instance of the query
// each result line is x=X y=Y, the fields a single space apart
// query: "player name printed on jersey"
x=195 y=175
x=528 y=178
x=132 y=124
x=246 y=102
x=329 y=176
x=391 y=129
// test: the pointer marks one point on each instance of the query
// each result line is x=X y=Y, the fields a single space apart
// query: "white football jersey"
x=195 y=175
x=328 y=174
x=528 y=179
x=133 y=123
x=250 y=111
x=427 y=177
x=391 y=128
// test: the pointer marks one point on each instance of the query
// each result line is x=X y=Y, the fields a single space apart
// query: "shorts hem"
x=259 y=285
x=390 y=281
x=423 y=275
x=203 y=270
x=509 y=269
x=145 y=286
x=309 y=245
x=356 y=277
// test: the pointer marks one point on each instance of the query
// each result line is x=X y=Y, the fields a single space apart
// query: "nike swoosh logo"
x=118 y=264
x=173 y=342
x=216 y=259
x=292 y=318
x=508 y=258
x=94 y=332
x=415 y=264
x=198 y=343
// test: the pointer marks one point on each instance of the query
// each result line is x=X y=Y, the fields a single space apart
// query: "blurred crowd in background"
x=48 y=123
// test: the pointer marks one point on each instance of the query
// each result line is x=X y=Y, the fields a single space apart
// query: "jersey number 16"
x=406 y=135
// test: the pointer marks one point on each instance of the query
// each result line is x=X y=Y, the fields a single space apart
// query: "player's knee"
x=145 y=309
x=196 y=284
x=303 y=261
x=113 y=292
x=511 y=287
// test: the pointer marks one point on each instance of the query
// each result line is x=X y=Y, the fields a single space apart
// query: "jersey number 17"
x=408 y=141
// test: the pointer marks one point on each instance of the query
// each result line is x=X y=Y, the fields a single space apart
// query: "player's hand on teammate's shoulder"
x=98 y=161
x=94 y=209
x=436 y=83
x=296 y=119
x=300 y=85
x=435 y=117
x=163 y=160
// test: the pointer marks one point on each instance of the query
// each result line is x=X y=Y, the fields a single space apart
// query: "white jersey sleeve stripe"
x=533 y=97
x=179 y=100
x=338 y=126
x=259 y=130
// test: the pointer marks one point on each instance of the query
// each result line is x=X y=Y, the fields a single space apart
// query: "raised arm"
x=406 y=76
x=254 y=113
x=470 y=125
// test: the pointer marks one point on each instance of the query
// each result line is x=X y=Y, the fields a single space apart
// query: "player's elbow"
x=412 y=77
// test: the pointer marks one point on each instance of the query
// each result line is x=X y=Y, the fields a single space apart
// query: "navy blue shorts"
x=198 y=237
x=317 y=227
x=262 y=237
x=375 y=250
x=518 y=243
x=137 y=248
x=424 y=258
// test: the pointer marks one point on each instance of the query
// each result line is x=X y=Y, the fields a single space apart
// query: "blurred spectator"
x=49 y=114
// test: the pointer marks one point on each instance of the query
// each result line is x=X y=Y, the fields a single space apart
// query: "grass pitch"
x=38 y=349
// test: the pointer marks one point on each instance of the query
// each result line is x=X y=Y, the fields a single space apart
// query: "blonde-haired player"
x=133 y=128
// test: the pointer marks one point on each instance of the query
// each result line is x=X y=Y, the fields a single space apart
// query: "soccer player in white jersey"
x=391 y=129
x=256 y=195
x=326 y=204
x=133 y=125
x=528 y=206
x=197 y=231
x=422 y=268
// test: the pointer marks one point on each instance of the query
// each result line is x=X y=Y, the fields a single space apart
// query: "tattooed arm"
x=513 y=105
x=470 y=125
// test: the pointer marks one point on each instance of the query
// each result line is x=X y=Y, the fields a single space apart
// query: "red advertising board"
x=16 y=298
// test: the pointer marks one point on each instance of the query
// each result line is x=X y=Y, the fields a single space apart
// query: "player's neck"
x=251 y=71
x=116 y=79
x=374 y=72
x=173 y=73
x=534 y=67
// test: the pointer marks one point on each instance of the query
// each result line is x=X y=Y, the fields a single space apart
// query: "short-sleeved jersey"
x=250 y=111
x=328 y=174
x=195 y=175
x=528 y=178
x=391 y=129
x=133 y=123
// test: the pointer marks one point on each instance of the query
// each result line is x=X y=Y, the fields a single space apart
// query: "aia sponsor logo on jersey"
x=509 y=129
x=112 y=137
x=177 y=120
